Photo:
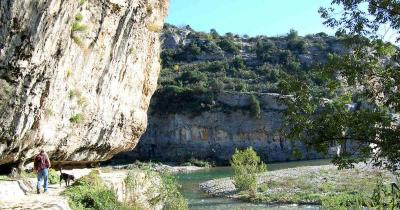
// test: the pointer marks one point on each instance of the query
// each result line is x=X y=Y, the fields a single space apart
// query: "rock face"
x=21 y=193
x=76 y=77
x=215 y=135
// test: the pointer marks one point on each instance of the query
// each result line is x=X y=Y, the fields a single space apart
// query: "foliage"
x=246 y=165
x=255 y=109
x=198 y=163
x=207 y=64
x=336 y=109
x=167 y=193
x=89 y=192
x=54 y=177
x=363 y=17
x=228 y=45
x=174 y=199
x=343 y=201
x=77 y=118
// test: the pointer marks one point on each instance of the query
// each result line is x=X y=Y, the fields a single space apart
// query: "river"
x=200 y=201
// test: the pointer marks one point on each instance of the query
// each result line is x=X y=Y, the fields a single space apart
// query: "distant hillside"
x=197 y=66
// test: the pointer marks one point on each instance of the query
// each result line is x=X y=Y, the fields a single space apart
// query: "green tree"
x=228 y=45
x=255 y=109
x=357 y=96
x=246 y=165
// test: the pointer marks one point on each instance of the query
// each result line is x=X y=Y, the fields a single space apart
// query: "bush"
x=198 y=163
x=255 y=109
x=238 y=62
x=229 y=46
x=193 y=77
x=78 y=118
x=343 y=201
x=54 y=177
x=299 y=46
x=246 y=164
x=266 y=50
x=89 y=192
x=293 y=34
x=173 y=198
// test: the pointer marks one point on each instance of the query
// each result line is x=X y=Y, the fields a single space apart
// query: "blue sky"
x=251 y=17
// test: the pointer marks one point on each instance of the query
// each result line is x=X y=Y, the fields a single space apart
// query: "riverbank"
x=159 y=167
x=302 y=185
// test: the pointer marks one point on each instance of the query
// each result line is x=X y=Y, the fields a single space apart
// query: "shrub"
x=173 y=198
x=193 y=49
x=229 y=46
x=265 y=50
x=217 y=66
x=78 y=118
x=198 y=163
x=299 y=46
x=54 y=177
x=89 y=192
x=168 y=191
x=154 y=27
x=246 y=164
x=293 y=34
x=343 y=201
x=193 y=77
x=238 y=62
x=255 y=109
x=214 y=34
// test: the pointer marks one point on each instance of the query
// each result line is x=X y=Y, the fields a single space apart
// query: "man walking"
x=41 y=166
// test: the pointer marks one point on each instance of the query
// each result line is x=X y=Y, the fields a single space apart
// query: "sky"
x=251 y=17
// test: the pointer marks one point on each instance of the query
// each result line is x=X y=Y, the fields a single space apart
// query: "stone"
x=214 y=135
x=76 y=77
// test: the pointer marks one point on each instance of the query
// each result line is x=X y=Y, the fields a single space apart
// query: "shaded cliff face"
x=215 y=134
x=76 y=77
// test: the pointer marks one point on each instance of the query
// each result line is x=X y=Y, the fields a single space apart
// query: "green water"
x=200 y=201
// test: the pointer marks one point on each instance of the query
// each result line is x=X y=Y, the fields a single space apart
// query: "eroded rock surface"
x=214 y=135
x=76 y=77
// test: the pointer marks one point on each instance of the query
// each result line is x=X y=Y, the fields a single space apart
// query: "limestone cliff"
x=76 y=77
x=214 y=135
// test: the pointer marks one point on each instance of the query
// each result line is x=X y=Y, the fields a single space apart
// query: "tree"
x=246 y=165
x=214 y=34
x=255 y=109
x=357 y=96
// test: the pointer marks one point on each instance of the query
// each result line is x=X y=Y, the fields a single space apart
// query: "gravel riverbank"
x=302 y=185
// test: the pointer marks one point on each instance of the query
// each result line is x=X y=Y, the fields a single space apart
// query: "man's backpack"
x=40 y=162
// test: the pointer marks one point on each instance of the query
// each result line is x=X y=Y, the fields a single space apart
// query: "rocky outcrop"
x=76 y=77
x=21 y=194
x=215 y=135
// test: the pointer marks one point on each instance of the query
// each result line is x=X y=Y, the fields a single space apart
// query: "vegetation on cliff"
x=89 y=192
x=198 y=66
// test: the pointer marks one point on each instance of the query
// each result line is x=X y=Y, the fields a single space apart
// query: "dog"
x=66 y=177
